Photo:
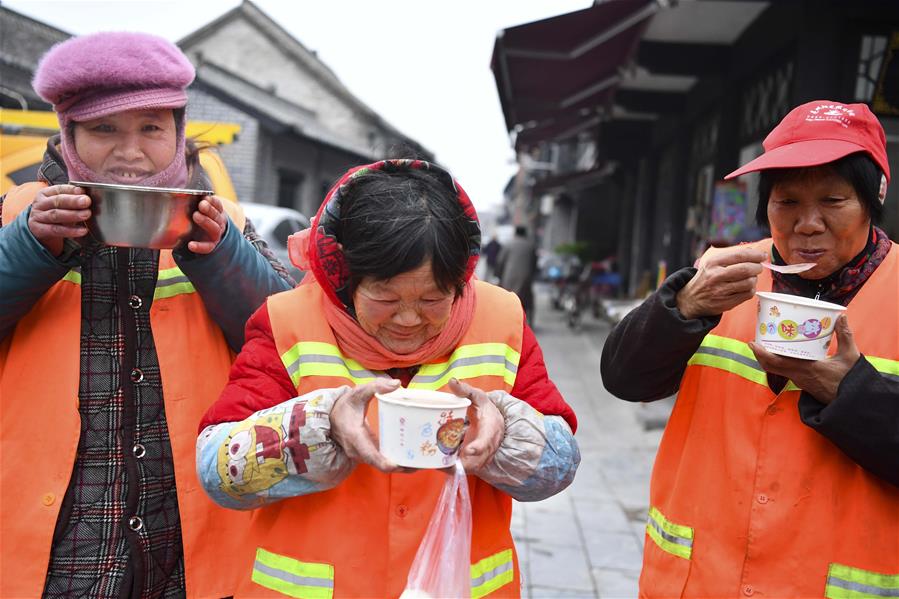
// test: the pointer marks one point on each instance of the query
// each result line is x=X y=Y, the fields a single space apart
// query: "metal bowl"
x=142 y=217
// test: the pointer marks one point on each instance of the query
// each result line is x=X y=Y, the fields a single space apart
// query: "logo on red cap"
x=831 y=112
x=819 y=132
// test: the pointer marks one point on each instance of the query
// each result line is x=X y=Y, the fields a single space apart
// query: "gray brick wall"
x=264 y=64
x=240 y=157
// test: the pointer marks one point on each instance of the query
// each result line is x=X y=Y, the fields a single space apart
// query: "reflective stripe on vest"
x=172 y=282
x=73 y=276
x=736 y=357
x=315 y=358
x=470 y=361
x=673 y=538
x=888 y=368
x=730 y=355
x=491 y=573
x=169 y=283
x=844 y=582
x=292 y=577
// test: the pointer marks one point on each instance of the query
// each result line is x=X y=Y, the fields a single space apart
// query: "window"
x=289 y=183
x=284 y=230
x=747 y=153
x=873 y=48
x=766 y=101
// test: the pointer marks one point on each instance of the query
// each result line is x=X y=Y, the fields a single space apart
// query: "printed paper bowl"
x=420 y=428
x=795 y=326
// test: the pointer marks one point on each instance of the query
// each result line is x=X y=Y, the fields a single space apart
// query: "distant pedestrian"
x=491 y=255
x=517 y=263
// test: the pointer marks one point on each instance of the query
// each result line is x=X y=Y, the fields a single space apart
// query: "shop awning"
x=574 y=180
x=561 y=127
x=566 y=65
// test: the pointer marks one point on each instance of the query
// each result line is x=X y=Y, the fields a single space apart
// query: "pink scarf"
x=316 y=249
x=355 y=343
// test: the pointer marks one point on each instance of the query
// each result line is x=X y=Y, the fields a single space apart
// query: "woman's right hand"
x=348 y=426
x=724 y=281
x=59 y=212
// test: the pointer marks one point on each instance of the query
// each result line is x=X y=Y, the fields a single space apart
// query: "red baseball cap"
x=820 y=132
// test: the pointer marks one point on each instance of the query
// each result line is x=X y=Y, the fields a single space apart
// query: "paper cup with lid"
x=419 y=428
x=794 y=326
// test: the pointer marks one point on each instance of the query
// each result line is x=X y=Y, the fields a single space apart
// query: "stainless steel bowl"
x=143 y=217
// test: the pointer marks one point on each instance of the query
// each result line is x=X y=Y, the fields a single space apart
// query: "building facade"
x=23 y=41
x=682 y=93
x=300 y=128
x=303 y=127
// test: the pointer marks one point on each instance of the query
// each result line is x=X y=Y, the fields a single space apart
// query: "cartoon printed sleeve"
x=275 y=453
x=538 y=456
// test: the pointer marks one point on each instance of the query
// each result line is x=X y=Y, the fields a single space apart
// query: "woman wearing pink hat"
x=109 y=356
x=778 y=476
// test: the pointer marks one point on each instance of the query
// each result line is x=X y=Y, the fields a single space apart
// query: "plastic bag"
x=442 y=565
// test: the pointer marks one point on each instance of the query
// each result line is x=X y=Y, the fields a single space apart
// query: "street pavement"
x=588 y=540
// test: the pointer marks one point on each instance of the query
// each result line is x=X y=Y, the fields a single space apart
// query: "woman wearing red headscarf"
x=390 y=301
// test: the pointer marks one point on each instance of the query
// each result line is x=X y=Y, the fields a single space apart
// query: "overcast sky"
x=424 y=65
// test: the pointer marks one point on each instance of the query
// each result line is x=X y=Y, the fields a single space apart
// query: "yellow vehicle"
x=24 y=134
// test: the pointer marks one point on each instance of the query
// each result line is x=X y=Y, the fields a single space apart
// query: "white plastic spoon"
x=790 y=269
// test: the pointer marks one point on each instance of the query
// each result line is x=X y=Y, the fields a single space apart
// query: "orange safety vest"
x=359 y=539
x=40 y=425
x=746 y=500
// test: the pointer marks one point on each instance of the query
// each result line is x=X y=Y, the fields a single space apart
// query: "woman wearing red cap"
x=109 y=356
x=778 y=476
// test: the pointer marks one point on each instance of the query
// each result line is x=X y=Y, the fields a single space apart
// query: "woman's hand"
x=820 y=378
x=486 y=430
x=212 y=220
x=348 y=426
x=724 y=281
x=59 y=212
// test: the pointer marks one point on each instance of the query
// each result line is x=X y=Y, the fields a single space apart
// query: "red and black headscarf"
x=325 y=255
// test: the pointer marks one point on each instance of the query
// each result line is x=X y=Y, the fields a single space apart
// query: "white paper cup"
x=420 y=428
x=795 y=326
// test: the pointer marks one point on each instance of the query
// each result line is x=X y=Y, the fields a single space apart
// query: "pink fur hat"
x=104 y=73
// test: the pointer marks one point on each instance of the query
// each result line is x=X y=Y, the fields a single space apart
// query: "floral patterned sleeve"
x=278 y=452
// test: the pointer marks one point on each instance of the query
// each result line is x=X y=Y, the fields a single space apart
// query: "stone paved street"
x=588 y=540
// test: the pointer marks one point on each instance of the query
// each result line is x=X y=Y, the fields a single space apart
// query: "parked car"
x=275 y=224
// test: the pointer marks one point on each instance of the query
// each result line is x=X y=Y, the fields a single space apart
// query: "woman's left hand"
x=820 y=378
x=486 y=430
x=212 y=220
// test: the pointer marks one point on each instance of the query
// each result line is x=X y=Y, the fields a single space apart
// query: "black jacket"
x=863 y=421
